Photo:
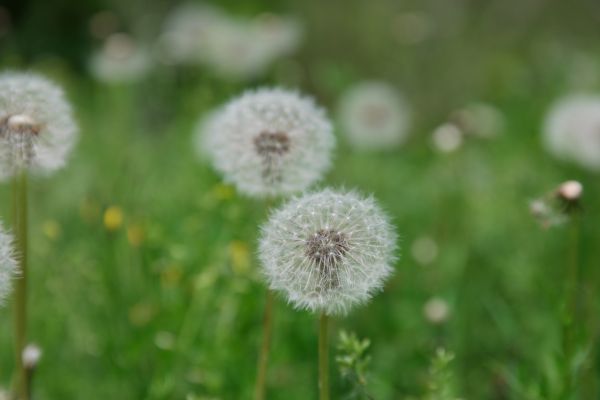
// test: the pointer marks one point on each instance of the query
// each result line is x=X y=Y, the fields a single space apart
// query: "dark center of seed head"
x=269 y=144
x=19 y=124
x=326 y=248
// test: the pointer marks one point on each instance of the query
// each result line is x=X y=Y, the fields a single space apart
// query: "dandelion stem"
x=20 y=302
x=571 y=319
x=263 y=358
x=324 y=357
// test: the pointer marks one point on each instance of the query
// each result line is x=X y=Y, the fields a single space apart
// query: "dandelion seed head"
x=572 y=130
x=436 y=310
x=570 y=190
x=327 y=251
x=120 y=60
x=8 y=264
x=37 y=130
x=270 y=142
x=447 y=138
x=374 y=116
x=31 y=356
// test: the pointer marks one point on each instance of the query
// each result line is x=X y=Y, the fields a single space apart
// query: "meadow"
x=144 y=275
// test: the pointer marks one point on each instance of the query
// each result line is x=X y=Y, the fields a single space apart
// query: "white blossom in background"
x=374 y=116
x=436 y=310
x=270 y=142
x=327 y=251
x=188 y=32
x=121 y=59
x=447 y=138
x=37 y=130
x=234 y=47
x=31 y=356
x=480 y=119
x=572 y=130
x=8 y=264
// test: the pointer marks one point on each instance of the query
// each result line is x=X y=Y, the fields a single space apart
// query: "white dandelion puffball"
x=572 y=130
x=37 y=130
x=327 y=251
x=480 y=119
x=120 y=60
x=271 y=142
x=8 y=264
x=374 y=116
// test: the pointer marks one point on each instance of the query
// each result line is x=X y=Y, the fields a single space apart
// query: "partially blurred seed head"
x=270 y=142
x=32 y=354
x=424 y=250
x=37 y=130
x=8 y=264
x=120 y=60
x=447 y=138
x=572 y=130
x=436 y=310
x=374 y=116
x=479 y=119
x=327 y=251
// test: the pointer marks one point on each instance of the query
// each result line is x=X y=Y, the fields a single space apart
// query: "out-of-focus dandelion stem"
x=263 y=357
x=571 y=320
x=20 y=299
x=324 y=357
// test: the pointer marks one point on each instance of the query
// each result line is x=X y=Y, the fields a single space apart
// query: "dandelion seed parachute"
x=327 y=251
x=374 y=116
x=572 y=130
x=270 y=142
x=8 y=264
x=37 y=130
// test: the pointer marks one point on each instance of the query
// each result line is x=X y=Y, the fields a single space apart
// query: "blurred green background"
x=144 y=276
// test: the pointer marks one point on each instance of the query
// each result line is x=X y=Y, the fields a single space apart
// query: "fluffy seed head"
x=374 y=116
x=570 y=190
x=8 y=265
x=31 y=356
x=572 y=130
x=37 y=130
x=270 y=142
x=120 y=60
x=327 y=251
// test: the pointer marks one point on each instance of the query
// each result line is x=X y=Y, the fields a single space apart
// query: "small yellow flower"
x=223 y=192
x=135 y=235
x=51 y=229
x=171 y=275
x=113 y=218
x=239 y=254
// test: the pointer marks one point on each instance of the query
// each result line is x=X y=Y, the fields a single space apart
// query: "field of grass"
x=144 y=276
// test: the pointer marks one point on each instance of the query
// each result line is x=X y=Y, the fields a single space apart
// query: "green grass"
x=178 y=315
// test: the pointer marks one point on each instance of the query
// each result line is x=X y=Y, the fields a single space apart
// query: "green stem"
x=20 y=300
x=572 y=317
x=324 y=357
x=263 y=358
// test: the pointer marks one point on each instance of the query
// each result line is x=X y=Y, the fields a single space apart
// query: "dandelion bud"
x=570 y=191
x=270 y=142
x=374 y=116
x=8 y=264
x=37 y=130
x=31 y=356
x=327 y=251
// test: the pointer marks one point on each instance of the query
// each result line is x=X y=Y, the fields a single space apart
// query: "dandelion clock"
x=270 y=142
x=327 y=252
x=37 y=130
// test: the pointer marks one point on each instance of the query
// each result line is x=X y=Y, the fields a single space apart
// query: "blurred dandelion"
x=572 y=130
x=120 y=60
x=479 y=119
x=374 y=116
x=436 y=310
x=327 y=251
x=271 y=142
x=8 y=264
x=236 y=48
x=447 y=138
x=424 y=250
x=113 y=218
x=37 y=130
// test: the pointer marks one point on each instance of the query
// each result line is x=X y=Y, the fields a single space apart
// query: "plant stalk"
x=263 y=358
x=20 y=215
x=323 y=357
